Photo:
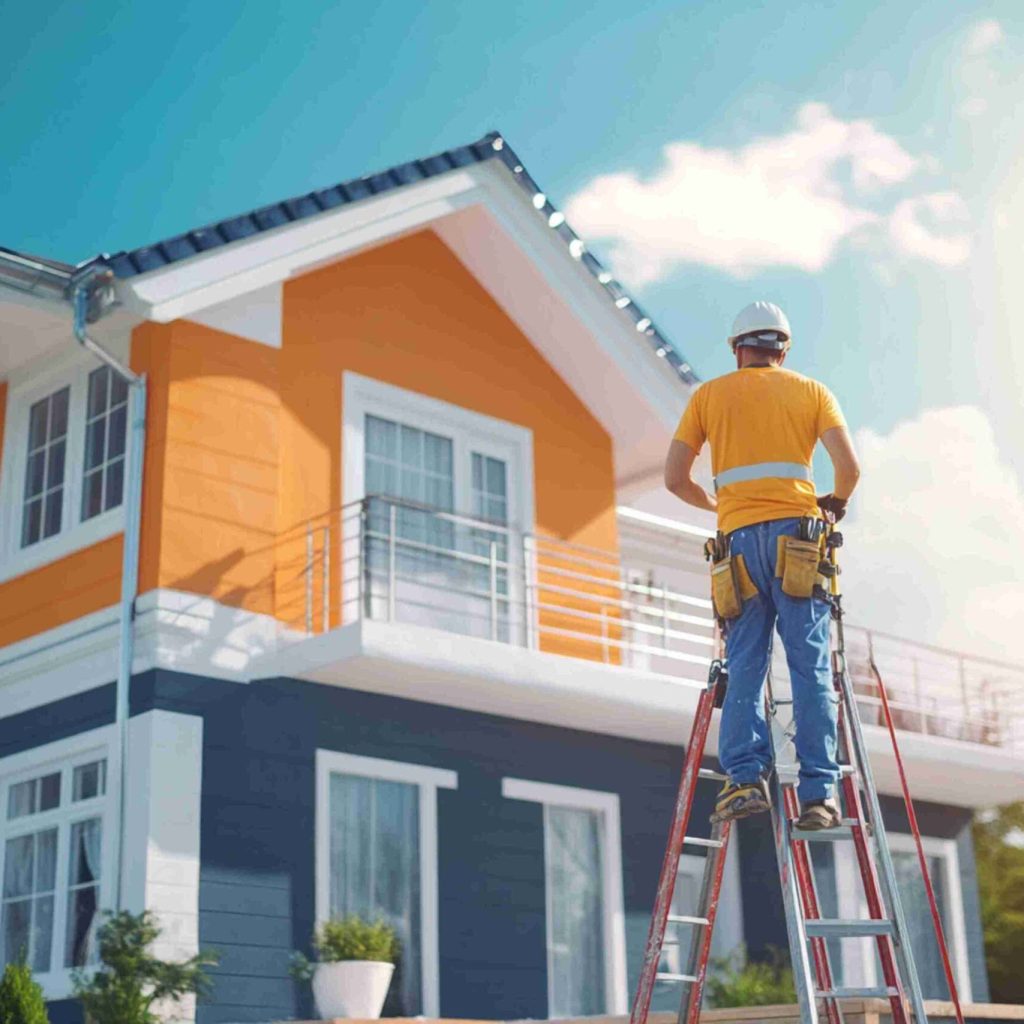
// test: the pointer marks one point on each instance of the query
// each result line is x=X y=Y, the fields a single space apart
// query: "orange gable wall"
x=210 y=508
x=410 y=314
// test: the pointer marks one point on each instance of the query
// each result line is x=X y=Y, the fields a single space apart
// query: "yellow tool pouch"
x=797 y=563
x=731 y=585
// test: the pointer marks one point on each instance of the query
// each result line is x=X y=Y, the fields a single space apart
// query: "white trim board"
x=607 y=805
x=429 y=780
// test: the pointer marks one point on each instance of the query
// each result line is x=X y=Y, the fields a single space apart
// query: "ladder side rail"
x=795 y=929
x=940 y=936
x=670 y=865
x=869 y=880
x=812 y=910
x=700 y=946
x=888 y=868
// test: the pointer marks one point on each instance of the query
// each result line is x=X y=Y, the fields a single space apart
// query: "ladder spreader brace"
x=808 y=932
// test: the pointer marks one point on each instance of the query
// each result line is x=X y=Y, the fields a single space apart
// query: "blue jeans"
x=744 y=746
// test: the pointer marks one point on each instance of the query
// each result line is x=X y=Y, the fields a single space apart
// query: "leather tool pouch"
x=731 y=585
x=797 y=562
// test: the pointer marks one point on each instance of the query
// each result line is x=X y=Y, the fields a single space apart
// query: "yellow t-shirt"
x=755 y=416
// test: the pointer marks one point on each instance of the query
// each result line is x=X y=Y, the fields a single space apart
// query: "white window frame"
x=71 y=370
x=470 y=432
x=63 y=755
x=607 y=804
x=858 y=962
x=429 y=780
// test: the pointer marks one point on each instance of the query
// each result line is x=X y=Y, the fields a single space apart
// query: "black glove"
x=830 y=504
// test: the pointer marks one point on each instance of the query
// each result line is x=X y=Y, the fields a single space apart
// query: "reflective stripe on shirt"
x=761 y=471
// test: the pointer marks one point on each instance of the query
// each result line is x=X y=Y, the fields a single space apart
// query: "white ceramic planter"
x=352 y=988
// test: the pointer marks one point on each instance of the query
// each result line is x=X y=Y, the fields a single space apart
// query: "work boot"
x=816 y=815
x=740 y=800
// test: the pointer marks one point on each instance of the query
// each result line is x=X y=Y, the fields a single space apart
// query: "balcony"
x=415 y=579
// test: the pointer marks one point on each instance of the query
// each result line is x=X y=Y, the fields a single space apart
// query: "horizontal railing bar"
x=601 y=641
x=622 y=624
x=616 y=584
x=619 y=603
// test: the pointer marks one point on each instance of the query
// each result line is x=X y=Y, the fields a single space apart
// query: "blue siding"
x=257 y=846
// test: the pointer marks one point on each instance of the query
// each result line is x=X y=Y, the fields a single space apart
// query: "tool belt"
x=800 y=561
x=731 y=584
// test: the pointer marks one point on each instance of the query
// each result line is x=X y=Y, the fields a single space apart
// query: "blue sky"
x=126 y=122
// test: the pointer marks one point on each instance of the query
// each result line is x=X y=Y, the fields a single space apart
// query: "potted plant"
x=355 y=960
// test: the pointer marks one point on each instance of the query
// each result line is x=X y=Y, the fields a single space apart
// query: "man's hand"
x=831 y=505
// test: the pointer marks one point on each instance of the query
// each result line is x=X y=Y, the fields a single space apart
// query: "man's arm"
x=844 y=461
x=679 y=479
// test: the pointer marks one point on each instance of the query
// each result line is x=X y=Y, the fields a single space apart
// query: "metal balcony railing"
x=409 y=563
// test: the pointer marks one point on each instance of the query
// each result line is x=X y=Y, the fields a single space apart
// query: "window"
x=376 y=843
x=52 y=855
x=63 y=463
x=461 y=480
x=583 y=897
x=944 y=871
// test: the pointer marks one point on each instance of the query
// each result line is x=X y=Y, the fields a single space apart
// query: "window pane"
x=117 y=432
x=95 y=434
x=99 y=383
x=21 y=799
x=381 y=438
x=17 y=923
x=54 y=507
x=19 y=863
x=49 y=791
x=59 y=413
x=374 y=869
x=38 y=418
x=31 y=528
x=83 y=895
x=46 y=861
x=576 y=945
x=92 y=494
x=55 y=464
x=118 y=390
x=89 y=780
x=35 y=474
x=42 y=933
x=115 y=484
x=919 y=919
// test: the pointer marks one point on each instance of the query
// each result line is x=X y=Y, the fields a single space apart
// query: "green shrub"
x=736 y=981
x=130 y=979
x=348 y=938
x=21 y=999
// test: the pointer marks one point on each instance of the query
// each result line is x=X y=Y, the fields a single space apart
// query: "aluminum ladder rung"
x=714 y=844
x=710 y=773
x=847 y=769
x=841 y=929
x=685 y=919
x=858 y=993
x=685 y=979
x=844 y=830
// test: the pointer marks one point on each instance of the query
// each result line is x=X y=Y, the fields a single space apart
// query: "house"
x=389 y=624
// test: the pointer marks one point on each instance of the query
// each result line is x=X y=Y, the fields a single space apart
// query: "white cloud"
x=916 y=237
x=978 y=78
x=786 y=200
x=983 y=36
x=934 y=542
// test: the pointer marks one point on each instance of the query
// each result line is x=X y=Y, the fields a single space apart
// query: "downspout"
x=82 y=289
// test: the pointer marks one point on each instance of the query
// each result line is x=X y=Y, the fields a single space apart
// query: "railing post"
x=966 y=734
x=309 y=577
x=529 y=589
x=917 y=697
x=391 y=562
x=327 y=577
x=494 y=590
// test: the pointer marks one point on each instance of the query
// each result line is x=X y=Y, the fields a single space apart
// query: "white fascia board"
x=180 y=289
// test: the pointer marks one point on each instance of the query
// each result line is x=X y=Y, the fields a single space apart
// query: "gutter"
x=89 y=288
x=91 y=291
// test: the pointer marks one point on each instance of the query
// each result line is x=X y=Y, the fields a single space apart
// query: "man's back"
x=762 y=423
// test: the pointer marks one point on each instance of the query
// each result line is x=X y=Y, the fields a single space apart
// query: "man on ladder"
x=762 y=423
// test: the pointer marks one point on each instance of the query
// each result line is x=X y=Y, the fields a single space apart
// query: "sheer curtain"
x=375 y=869
x=30 y=871
x=576 y=943
x=83 y=892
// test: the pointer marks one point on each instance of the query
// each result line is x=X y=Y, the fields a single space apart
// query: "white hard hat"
x=757 y=317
